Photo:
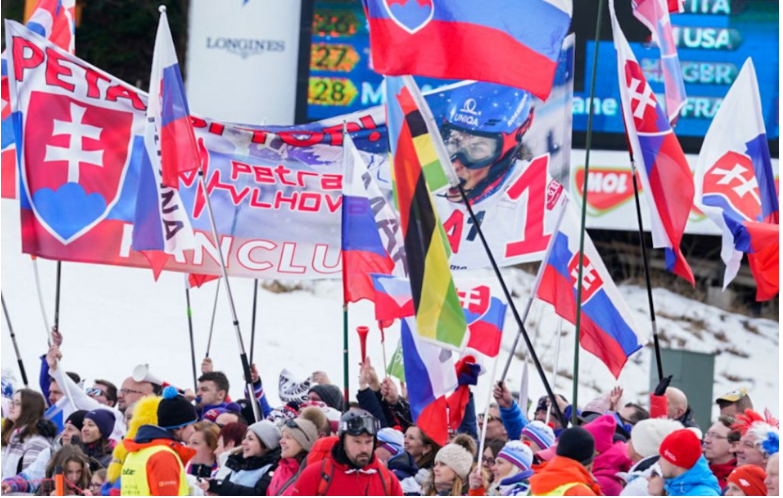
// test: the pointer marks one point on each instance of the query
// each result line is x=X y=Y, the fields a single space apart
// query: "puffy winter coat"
x=612 y=457
x=564 y=477
x=248 y=477
x=698 y=481
x=17 y=455
x=344 y=479
x=285 y=476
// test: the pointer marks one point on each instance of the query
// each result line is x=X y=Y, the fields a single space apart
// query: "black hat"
x=577 y=444
x=329 y=394
x=76 y=419
x=175 y=411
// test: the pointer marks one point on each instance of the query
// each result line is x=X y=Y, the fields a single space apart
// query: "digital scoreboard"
x=714 y=38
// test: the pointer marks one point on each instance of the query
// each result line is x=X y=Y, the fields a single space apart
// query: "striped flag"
x=654 y=14
x=663 y=168
x=439 y=316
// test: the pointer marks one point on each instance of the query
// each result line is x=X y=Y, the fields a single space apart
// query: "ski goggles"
x=356 y=426
x=473 y=150
x=293 y=425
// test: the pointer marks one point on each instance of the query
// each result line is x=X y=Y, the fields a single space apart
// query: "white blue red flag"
x=430 y=376
x=735 y=185
x=662 y=166
x=362 y=248
x=607 y=329
x=512 y=43
x=654 y=14
x=393 y=298
x=162 y=226
x=51 y=19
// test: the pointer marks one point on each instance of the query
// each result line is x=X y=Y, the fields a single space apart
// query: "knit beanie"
x=577 y=444
x=750 y=479
x=539 y=433
x=212 y=414
x=174 y=411
x=279 y=415
x=391 y=440
x=76 y=419
x=104 y=419
x=681 y=448
x=329 y=394
x=517 y=453
x=302 y=431
x=602 y=429
x=647 y=435
x=267 y=433
x=457 y=458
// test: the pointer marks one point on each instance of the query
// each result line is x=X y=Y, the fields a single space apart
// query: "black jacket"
x=224 y=487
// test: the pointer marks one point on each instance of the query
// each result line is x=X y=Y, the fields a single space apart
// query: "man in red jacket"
x=351 y=469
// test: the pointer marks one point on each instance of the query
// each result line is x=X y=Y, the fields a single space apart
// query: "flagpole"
x=580 y=264
x=212 y=321
x=57 y=296
x=653 y=322
x=232 y=306
x=557 y=360
x=190 y=330
x=13 y=341
x=520 y=322
x=253 y=320
x=486 y=407
x=41 y=302
x=383 y=349
x=346 y=387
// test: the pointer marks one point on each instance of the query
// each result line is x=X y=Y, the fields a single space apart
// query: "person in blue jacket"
x=684 y=469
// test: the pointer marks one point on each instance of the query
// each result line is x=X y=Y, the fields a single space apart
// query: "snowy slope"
x=114 y=318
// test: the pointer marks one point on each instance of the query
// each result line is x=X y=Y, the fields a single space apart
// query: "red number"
x=453 y=227
x=532 y=181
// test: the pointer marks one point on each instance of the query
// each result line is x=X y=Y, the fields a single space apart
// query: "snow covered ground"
x=115 y=318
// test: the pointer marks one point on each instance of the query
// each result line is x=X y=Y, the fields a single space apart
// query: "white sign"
x=242 y=60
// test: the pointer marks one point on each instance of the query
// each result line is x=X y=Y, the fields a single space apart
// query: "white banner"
x=242 y=60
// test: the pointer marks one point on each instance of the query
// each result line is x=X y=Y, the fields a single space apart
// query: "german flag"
x=439 y=316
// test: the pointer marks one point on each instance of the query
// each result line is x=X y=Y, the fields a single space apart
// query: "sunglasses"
x=95 y=392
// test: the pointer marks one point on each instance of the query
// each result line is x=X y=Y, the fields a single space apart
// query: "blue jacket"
x=698 y=481
x=513 y=420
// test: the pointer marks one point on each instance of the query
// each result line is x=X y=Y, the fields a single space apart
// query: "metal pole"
x=580 y=265
x=253 y=321
x=13 y=341
x=346 y=386
x=192 y=342
x=212 y=321
x=57 y=297
x=41 y=301
x=557 y=360
x=240 y=342
x=486 y=408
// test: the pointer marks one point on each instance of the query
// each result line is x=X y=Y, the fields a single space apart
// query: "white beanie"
x=457 y=458
x=647 y=435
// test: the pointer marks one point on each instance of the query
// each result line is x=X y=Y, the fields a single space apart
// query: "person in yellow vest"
x=155 y=465
x=568 y=473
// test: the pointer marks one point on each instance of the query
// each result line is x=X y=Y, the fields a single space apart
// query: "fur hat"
x=267 y=433
x=647 y=435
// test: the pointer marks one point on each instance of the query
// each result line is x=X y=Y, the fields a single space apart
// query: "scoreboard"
x=714 y=37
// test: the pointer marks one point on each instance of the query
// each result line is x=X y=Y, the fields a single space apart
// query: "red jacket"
x=560 y=471
x=346 y=480
x=722 y=471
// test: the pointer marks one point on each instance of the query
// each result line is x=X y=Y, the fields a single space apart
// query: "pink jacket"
x=612 y=457
x=286 y=471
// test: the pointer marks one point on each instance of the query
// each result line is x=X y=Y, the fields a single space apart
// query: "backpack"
x=327 y=472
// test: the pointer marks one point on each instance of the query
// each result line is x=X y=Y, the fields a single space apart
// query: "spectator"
x=228 y=417
x=568 y=473
x=683 y=468
x=212 y=392
x=754 y=430
x=75 y=467
x=329 y=394
x=771 y=482
x=611 y=456
x=720 y=446
x=104 y=392
x=491 y=450
x=734 y=402
x=419 y=446
x=538 y=436
x=390 y=443
x=204 y=441
x=299 y=435
x=132 y=391
x=453 y=465
x=678 y=407
x=511 y=472
x=230 y=437
x=96 y=433
x=25 y=432
x=96 y=482
x=747 y=480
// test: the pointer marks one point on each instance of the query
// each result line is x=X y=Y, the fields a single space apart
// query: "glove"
x=467 y=371
x=660 y=389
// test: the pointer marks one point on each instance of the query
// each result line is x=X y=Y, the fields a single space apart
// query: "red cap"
x=681 y=448
x=750 y=480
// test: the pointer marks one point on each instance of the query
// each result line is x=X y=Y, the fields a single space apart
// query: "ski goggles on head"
x=356 y=426
x=474 y=150
x=293 y=425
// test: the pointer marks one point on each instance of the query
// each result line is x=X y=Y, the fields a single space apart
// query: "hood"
x=152 y=435
x=558 y=471
x=644 y=464
x=699 y=475
x=602 y=430
x=614 y=459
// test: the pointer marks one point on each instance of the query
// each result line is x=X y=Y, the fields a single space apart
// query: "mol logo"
x=607 y=188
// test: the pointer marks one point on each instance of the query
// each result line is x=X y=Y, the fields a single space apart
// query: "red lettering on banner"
x=312 y=196
x=281 y=171
x=237 y=168
x=255 y=201
x=300 y=175
x=319 y=260
x=332 y=182
x=369 y=124
x=263 y=174
x=197 y=122
x=532 y=181
x=331 y=205
x=216 y=128
x=21 y=63
x=92 y=78
x=55 y=69
x=301 y=138
x=118 y=91
x=453 y=228
x=280 y=199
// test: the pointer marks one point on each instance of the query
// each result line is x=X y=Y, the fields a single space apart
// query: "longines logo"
x=245 y=47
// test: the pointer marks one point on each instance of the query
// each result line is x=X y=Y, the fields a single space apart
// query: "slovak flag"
x=663 y=168
x=162 y=226
x=511 y=43
x=53 y=20
x=430 y=376
x=607 y=328
x=735 y=185
x=485 y=315
x=654 y=14
x=362 y=247
x=393 y=298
